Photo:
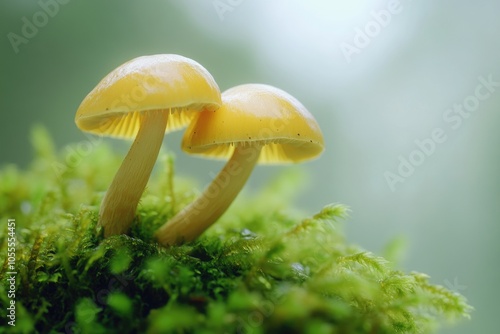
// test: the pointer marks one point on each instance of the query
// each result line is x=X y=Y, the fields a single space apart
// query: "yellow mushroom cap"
x=256 y=114
x=168 y=82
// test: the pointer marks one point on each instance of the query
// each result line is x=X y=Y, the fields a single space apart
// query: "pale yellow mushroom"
x=256 y=123
x=142 y=99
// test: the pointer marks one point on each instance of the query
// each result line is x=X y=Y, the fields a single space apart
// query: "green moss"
x=260 y=269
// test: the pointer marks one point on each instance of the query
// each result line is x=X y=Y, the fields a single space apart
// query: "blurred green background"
x=393 y=86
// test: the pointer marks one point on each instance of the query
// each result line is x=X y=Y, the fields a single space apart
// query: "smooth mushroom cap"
x=256 y=123
x=256 y=114
x=156 y=82
x=143 y=98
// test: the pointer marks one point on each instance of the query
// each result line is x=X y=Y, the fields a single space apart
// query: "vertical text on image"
x=11 y=273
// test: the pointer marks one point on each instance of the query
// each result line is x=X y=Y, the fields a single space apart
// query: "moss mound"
x=259 y=270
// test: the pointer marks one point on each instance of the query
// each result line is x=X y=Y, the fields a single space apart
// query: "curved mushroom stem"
x=120 y=202
x=199 y=215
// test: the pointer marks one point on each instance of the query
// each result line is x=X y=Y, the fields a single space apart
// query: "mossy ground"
x=258 y=270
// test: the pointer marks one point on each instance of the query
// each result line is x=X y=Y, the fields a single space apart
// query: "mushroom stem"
x=120 y=202
x=199 y=215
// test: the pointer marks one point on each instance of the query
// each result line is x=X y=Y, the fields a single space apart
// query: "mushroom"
x=143 y=98
x=256 y=123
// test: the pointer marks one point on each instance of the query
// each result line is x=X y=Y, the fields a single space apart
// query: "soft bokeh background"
x=372 y=107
